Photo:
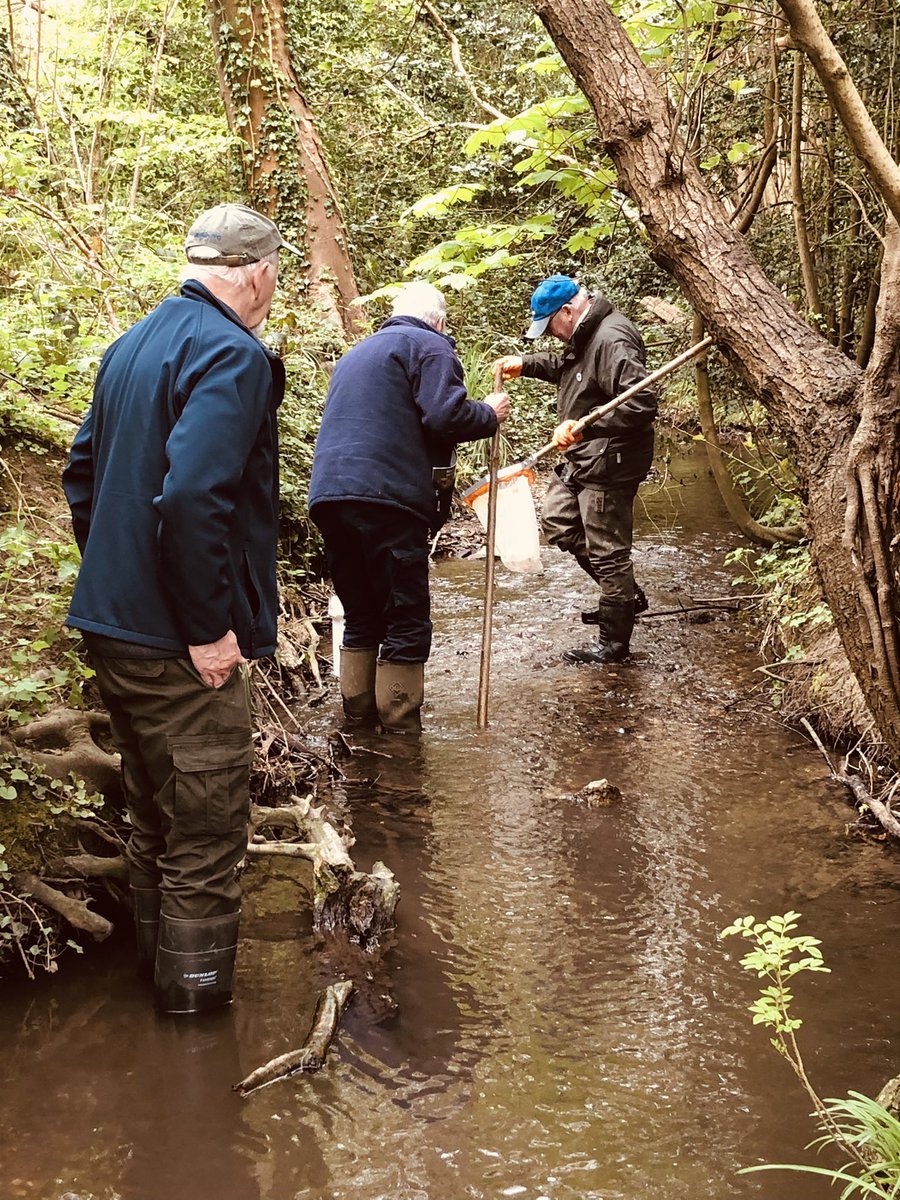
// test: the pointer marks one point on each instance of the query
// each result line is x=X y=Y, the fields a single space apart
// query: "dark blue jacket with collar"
x=395 y=410
x=173 y=483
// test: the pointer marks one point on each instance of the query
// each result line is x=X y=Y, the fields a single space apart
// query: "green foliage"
x=529 y=425
x=777 y=955
x=858 y=1125
x=41 y=664
x=32 y=806
x=22 y=781
x=784 y=574
x=309 y=344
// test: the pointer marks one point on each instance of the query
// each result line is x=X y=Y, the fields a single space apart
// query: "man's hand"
x=563 y=437
x=499 y=402
x=216 y=661
x=510 y=366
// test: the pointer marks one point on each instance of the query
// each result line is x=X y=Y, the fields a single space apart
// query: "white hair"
x=421 y=300
x=237 y=276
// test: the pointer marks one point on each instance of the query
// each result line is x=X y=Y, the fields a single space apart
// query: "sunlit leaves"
x=740 y=151
x=527 y=127
x=777 y=954
x=475 y=249
x=440 y=202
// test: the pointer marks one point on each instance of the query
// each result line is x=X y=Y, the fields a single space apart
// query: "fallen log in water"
x=343 y=898
x=311 y=1055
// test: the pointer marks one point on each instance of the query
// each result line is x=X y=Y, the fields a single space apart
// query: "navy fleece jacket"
x=395 y=409
x=173 y=483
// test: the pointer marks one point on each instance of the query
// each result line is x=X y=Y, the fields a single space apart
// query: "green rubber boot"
x=358 y=683
x=399 y=692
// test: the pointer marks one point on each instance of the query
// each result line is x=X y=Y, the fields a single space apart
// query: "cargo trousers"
x=186 y=753
x=378 y=560
x=596 y=525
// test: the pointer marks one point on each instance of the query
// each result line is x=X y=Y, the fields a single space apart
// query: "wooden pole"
x=487 y=621
x=597 y=413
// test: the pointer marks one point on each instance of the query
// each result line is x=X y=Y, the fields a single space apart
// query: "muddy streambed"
x=555 y=1016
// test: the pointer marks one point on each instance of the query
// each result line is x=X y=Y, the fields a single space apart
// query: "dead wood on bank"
x=343 y=898
x=862 y=795
x=311 y=1055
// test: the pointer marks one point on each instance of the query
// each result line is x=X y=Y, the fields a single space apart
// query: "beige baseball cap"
x=236 y=234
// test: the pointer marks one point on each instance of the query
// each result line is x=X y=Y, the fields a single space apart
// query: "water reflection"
x=111 y=1101
x=554 y=1016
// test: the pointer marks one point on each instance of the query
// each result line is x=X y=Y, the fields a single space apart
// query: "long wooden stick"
x=603 y=410
x=487 y=621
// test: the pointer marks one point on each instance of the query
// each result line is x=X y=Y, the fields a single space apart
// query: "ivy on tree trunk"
x=285 y=168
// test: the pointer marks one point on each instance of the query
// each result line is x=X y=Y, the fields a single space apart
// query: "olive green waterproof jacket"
x=605 y=356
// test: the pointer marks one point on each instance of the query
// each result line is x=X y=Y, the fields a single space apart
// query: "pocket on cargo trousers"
x=212 y=782
x=409 y=580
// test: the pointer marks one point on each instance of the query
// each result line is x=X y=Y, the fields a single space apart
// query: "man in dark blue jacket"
x=382 y=481
x=173 y=486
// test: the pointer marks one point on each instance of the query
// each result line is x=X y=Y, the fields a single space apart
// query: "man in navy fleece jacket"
x=381 y=483
x=173 y=486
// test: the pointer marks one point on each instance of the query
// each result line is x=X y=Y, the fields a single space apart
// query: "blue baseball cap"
x=548 y=298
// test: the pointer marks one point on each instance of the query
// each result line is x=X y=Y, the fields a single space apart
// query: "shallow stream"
x=555 y=1016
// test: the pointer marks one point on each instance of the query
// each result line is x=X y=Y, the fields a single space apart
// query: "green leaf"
x=740 y=151
x=438 y=203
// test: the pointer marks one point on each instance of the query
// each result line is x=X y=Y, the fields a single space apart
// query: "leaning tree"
x=840 y=421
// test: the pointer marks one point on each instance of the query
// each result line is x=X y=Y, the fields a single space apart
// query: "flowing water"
x=555 y=1016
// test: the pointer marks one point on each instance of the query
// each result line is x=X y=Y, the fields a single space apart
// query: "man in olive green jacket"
x=588 y=509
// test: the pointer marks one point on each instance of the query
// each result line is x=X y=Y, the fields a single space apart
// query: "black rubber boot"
x=641 y=604
x=399 y=692
x=146 y=928
x=358 y=684
x=614 y=626
x=195 y=963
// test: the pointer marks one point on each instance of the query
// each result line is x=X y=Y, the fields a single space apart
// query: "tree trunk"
x=286 y=172
x=769 y=535
x=813 y=393
x=798 y=203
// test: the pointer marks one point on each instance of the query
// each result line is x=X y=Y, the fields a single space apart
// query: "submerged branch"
x=311 y=1055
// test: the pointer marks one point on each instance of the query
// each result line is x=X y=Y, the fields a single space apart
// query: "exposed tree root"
x=65 y=740
x=89 y=866
x=76 y=912
x=343 y=898
x=311 y=1055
